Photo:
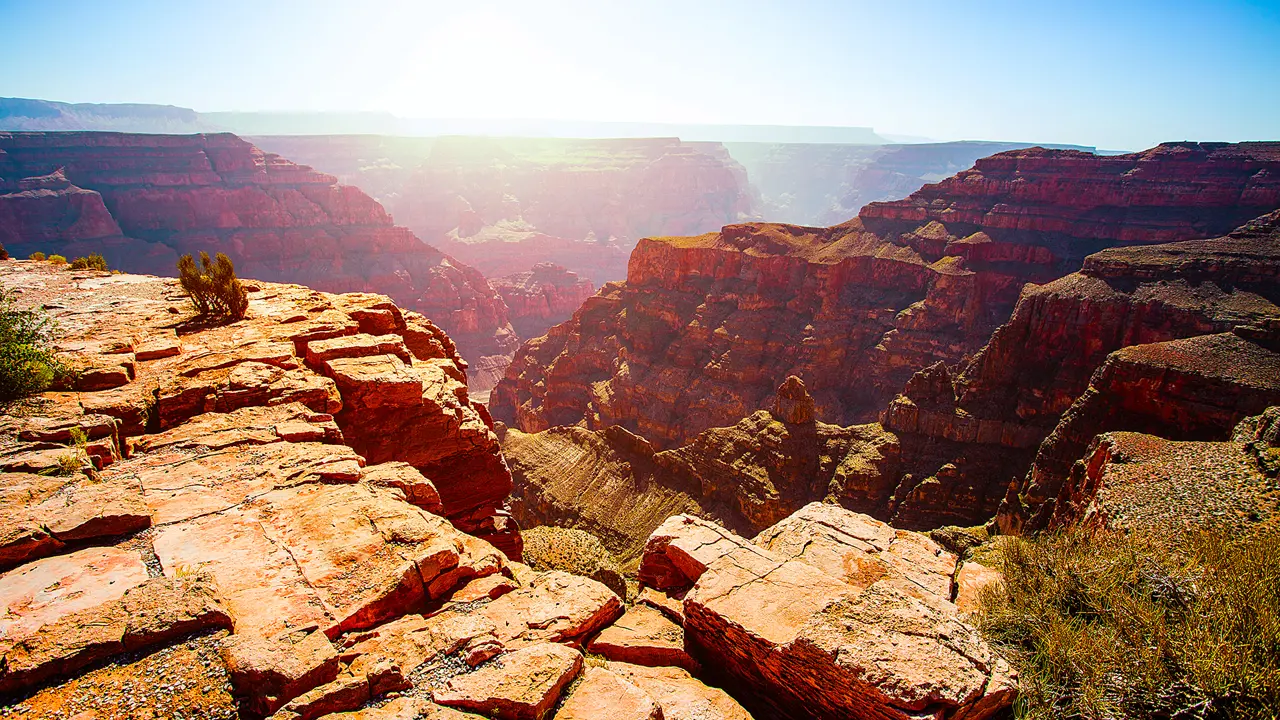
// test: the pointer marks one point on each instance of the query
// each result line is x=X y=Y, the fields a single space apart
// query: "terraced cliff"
x=705 y=328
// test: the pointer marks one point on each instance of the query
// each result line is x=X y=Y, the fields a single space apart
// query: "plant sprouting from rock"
x=213 y=287
x=94 y=262
x=27 y=363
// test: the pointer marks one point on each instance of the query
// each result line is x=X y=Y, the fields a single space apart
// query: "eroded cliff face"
x=296 y=515
x=1013 y=393
x=543 y=296
x=705 y=328
x=162 y=196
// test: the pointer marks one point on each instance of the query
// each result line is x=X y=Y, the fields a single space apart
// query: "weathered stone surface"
x=224 y=500
x=680 y=550
x=681 y=696
x=405 y=708
x=829 y=614
x=523 y=685
x=644 y=636
x=554 y=607
x=604 y=695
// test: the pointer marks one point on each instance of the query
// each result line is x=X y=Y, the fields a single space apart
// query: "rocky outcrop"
x=1012 y=394
x=828 y=614
x=1145 y=484
x=286 y=516
x=1192 y=389
x=541 y=297
x=705 y=328
x=143 y=200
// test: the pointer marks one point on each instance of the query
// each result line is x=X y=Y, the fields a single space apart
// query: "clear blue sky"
x=1113 y=74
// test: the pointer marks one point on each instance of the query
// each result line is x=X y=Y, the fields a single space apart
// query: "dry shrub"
x=573 y=551
x=1102 y=624
x=58 y=259
x=37 y=256
x=95 y=261
x=213 y=286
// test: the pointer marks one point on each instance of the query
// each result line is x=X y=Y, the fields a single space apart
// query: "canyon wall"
x=143 y=200
x=545 y=295
x=705 y=328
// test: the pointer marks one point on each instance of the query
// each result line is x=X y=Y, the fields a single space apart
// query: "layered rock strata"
x=705 y=328
x=1012 y=394
x=828 y=614
x=286 y=516
x=543 y=296
x=143 y=200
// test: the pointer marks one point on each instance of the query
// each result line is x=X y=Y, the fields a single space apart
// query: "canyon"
x=302 y=514
x=670 y=412
x=143 y=200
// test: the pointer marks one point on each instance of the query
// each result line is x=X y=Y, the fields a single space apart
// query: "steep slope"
x=705 y=328
x=1013 y=393
x=277 y=221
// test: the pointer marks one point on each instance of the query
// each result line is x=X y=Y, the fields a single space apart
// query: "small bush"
x=573 y=551
x=93 y=262
x=37 y=256
x=213 y=286
x=58 y=259
x=27 y=364
x=1107 y=625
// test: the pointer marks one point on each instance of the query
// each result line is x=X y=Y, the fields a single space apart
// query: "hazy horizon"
x=1121 y=75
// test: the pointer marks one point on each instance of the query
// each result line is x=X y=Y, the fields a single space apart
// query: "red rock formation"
x=541 y=297
x=277 y=221
x=705 y=328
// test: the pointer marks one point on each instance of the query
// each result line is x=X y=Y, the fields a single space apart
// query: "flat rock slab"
x=42 y=592
x=290 y=422
x=523 y=685
x=604 y=695
x=39 y=514
x=644 y=636
x=337 y=556
x=554 y=607
x=680 y=695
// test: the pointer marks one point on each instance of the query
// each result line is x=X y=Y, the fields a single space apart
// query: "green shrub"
x=1105 y=625
x=58 y=259
x=213 y=286
x=27 y=364
x=93 y=262
x=37 y=256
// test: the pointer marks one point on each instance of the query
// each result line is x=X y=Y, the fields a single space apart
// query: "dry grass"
x=1107 y=625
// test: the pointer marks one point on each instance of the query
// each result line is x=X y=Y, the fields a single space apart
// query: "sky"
x=1117 y=75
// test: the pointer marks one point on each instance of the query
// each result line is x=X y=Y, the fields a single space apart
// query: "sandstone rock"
x=270 y=672
x=405 y=708
x=40 y=514
x=793 y=404
x=417 y=489
x=644 y=636
x=681 y=696
x=829 y=614
x=524 y=684
x=555 y=607
x=603 y=695
x=670 y=606
x=970 y=581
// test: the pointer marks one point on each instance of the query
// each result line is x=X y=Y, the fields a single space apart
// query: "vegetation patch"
x=213 y=287
x=95 y=261
x=1103 y=624
x=27 y=363
x=573 y=551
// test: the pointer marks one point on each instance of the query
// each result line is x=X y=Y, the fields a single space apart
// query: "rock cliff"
x=705 y=328
x=1013 y=393
x=143 y=200
x=543 y=296
x=287 y=516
